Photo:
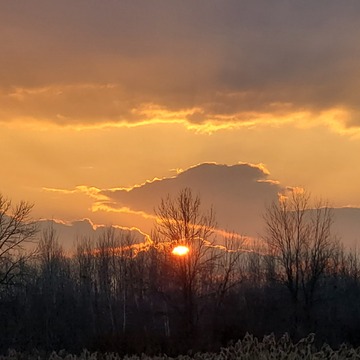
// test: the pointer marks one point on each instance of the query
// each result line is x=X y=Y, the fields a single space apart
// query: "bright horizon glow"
x=180 y=250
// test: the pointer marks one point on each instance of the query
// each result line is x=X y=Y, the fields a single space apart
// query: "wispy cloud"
x=103 y=202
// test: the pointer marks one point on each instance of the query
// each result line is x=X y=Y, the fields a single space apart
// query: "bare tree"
x=49 y=249
x=181 y=221
x=16 y=230
x=298 y=233
x=230 y=266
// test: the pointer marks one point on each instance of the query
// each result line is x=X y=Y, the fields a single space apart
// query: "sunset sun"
x=180 y=250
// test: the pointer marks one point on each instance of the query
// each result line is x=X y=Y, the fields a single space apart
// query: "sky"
x=107 y=106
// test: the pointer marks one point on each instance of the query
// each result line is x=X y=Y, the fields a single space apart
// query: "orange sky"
x=99 y=95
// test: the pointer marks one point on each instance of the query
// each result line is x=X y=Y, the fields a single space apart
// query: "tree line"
x=112 y=295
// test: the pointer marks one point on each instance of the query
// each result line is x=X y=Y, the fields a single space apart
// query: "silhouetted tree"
x=207 y=272
x=56 y=289
x=298 y=233
x=181 y=221
x=114 y=294
x=16 y=230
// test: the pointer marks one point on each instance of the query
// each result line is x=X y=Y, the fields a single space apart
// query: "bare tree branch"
x=16 y=230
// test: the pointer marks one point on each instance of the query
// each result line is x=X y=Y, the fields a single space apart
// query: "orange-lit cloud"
x=87 y=65
x=92 y=106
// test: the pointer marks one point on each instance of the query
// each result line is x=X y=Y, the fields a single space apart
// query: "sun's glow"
x=180 y=250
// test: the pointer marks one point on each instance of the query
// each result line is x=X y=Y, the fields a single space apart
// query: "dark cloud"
x=226 y=58
x=238 y=194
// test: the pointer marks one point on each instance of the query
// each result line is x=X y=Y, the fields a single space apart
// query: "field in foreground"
x=248 y=348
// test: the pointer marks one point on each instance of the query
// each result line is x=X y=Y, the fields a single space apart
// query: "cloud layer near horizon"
x=238 y=194
x=87 y=63
x=70 y=234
